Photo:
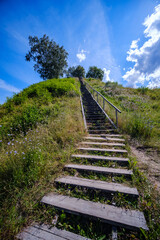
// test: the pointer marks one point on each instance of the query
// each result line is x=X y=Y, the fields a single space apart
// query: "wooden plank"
x=103 y=144
x=105 y=139
x=99 y=130
x=103 y=150
x=114 y=233
x=126 y=218
x=27 y=236
x=96 y=157
x=97 y=169
x=106 y=135
x=46 y=232
x=98 y=185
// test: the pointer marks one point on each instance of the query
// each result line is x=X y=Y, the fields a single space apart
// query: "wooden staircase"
x=103 y=145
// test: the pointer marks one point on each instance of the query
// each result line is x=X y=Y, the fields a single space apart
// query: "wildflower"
x=8 y=143
x=6 y=152
x=12 y=144
x=23 y=153
x=0 y=125
x=23 y=157
x=15 y=151
x=13 y=139
x=0 y=140
x=10 y=152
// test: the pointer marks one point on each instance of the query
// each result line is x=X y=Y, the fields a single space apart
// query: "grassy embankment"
x=140 y=119
x=39 y=128
x=140 y=108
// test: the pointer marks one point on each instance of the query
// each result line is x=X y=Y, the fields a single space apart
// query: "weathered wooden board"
x=96 y=157
x=99 y=130
x=46 y=232
x=130 y=219
x=98 y=185
x=103 y=144
x=105 y=139
x=103 y=150
x=97 y=169
x=106 y=135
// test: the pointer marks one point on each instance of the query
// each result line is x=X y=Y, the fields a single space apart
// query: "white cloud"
x=147 y=57
x=81 y=55
x=134 y=44
x=106 y=77
x=8 y=87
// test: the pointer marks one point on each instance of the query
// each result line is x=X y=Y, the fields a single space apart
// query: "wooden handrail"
x=104 y=99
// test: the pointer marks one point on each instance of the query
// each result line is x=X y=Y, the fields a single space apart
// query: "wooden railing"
x=96 y=95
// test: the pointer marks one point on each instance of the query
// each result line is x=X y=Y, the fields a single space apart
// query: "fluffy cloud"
x=8 y=87
x=81 y=55
x=147 y=57
x=106 y=75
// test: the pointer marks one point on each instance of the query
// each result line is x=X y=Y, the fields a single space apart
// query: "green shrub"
x=139 y=126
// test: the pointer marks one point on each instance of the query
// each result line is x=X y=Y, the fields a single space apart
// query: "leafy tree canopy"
x=95 y=72
x=50 y=58
x=78 y=71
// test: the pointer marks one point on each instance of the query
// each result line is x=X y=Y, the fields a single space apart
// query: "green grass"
x=38 y=135
x=39 y=130
x=140 y=107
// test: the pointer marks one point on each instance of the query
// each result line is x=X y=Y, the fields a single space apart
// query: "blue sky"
x=113 y=35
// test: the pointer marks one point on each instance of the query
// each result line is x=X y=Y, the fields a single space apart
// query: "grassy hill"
x=38 y=131
x=140 y=108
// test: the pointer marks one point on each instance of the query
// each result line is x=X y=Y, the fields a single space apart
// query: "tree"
x=70 y=71
x=50 y=58
x=76 y=72
x=95 y=72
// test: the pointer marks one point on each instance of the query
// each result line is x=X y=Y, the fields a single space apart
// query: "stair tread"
x=100 y=157
x=47 y=232
x=104 y=144
x=131 y=219
x=98 y=185
x=103 y=149
x=117 y=171
x=105 y=138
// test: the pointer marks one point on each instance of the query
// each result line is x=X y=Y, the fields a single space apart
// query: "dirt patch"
x=148 y=161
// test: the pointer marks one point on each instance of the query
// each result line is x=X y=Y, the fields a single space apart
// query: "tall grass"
x=37 y=139
x=140 y=109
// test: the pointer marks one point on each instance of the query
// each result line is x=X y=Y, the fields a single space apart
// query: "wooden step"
x=103 y=150
x=106 y=135
x=47 y=232
x=102 y=130
x=98 y=185
x=103 y=144
x=103 y=170
x=105 y=139
x=96 y=157
x=122 y=217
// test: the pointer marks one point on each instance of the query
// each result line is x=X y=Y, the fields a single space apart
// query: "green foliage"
x=95 y=72
x=28 y=163
x=143 y=90
x=78 y=71
x=25 y=110
x=50 y=58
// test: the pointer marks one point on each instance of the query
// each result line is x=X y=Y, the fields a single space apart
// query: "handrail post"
x=97 y=96
x=116 y=118
x=103 y=104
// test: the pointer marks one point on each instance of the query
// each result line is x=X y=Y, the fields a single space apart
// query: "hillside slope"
x=38 y=131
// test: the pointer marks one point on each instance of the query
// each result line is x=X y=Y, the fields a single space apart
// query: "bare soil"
x=148 y=160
